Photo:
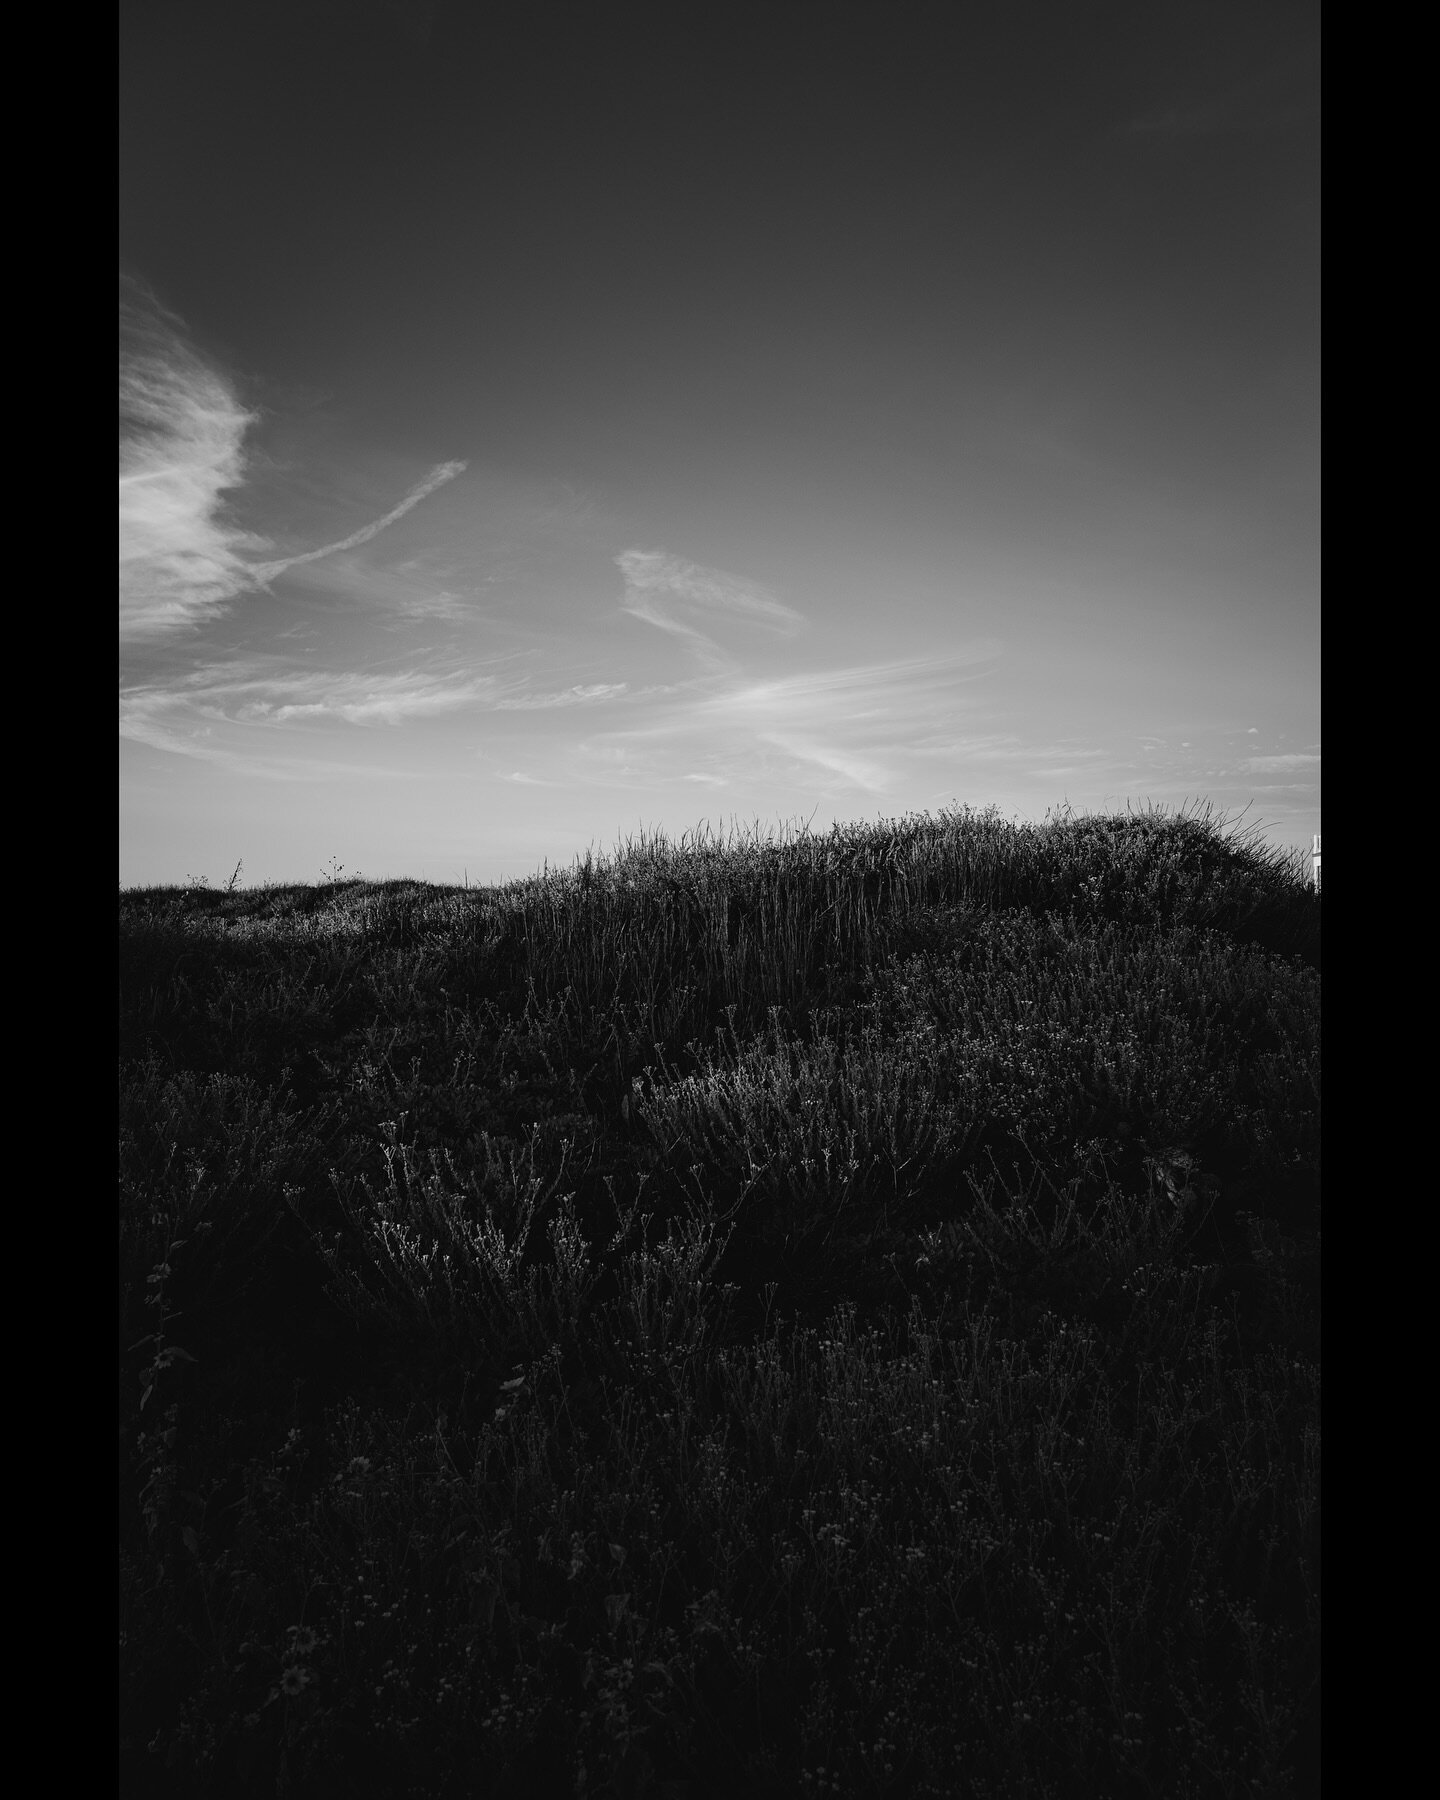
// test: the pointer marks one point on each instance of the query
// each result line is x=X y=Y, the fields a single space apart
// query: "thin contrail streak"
x=438 y=476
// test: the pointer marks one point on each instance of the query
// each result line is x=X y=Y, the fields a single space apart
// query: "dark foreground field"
x=827 y=1316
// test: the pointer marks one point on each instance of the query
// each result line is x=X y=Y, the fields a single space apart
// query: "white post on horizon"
x=1315 y=856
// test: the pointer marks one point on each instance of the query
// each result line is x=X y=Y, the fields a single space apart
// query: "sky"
x=542 y=425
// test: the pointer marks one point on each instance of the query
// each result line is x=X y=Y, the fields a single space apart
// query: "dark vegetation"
x=827 y=1316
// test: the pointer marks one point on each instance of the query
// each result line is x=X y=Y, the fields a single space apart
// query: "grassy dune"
x=821 y=1315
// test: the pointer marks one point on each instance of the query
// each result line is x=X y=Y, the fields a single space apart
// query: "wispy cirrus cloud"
x=856 y=724
x=363 y=699
x=253 y=700
x=579 y=695
x=1274 y=765
x=857 y=727
x=670 y=593
x=182 y=433
x=183 y=426
x=869 y=692
x=438 y=476
x=181 y=715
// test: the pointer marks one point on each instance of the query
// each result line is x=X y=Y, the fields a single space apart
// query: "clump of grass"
x=827 y=1314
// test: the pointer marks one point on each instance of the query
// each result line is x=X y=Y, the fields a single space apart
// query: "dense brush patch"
x=818 y=1314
